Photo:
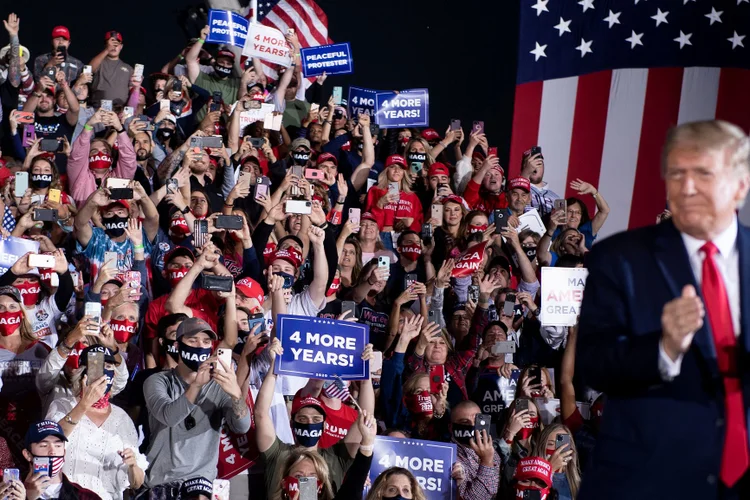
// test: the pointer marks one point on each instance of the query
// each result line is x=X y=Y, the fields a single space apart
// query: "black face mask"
x=530 y=252
x=171 y=350
x=193 y=357
x=462 y=433
x=115 y=226
x=241 y=339
x=222 y=72
x=164 y=134
x=41 y=181
x=416 y=158
x=307 y=435
x=300 y=158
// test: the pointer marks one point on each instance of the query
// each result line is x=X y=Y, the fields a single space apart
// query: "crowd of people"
x=171 y=231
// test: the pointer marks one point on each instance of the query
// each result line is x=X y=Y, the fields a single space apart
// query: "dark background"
x=463 y=52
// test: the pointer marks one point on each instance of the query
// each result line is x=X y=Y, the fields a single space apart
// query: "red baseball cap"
x=368 y=216
x=225 y=53
x=519 y=183
x=178 y=251
x=534 y=468
x=61 y=31
x=113 y=34
x=430 y=134
x=395 y=160
x=438 y=169
x=300 y=402
x=328 y=157
x=251 y=289
x=454 y=198
x=290 y=255
x=123 y=203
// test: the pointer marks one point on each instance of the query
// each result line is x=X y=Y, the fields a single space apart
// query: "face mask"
x=164 y=134
x=549 y=452
x=334 y=288
x=10 y=321
x=123 y=329
x=397 y=497
x=193 y=356
x=417 y=158
x=477 y=229
x=222 y=72
x=410 y=251
x=462 y=433
x=526 y=432
x=288 y=279
x=41 y=181
x=530 y=252
x=307 y=435
x=170 y=349
x=175 y=275
x=74 y=356
x=521 y=488
x=241 y=339
x=100 y=161
x=115 y=226
x=54 y=464
x=179 y=227
x=300 y=158
x=29 y=293
x=419 y=405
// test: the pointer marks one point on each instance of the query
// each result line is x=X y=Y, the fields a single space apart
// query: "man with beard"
x=42 y=103
x=222 y=80
x=111 y=75
x=542 y=198
x=146 y=172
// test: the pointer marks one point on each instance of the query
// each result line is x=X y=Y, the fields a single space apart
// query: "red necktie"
x=735 y=459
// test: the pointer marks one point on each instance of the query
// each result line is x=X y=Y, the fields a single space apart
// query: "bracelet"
x=340 y=201
x=595 y=194
x=120 y=131
x=367 y=448
x=138 y=247
x=70 y=420
x=88 y=127
x=535 y=312
x=228 y=205
x=201 y=40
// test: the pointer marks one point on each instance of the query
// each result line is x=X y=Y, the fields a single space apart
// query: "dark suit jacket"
x=658 y=440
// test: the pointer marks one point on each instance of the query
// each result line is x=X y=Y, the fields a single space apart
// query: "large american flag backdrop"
x=600 y=82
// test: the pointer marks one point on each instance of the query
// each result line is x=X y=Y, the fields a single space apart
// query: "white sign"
x=254 y=115
x=531 y=220
x=268 y=44
x=562 y=293
x=549 y=409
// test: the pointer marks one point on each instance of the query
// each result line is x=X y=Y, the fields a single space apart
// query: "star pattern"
x=540 y=6
x=539 y=51
x=586 y=4
x=737 y=40
x=660 y=17
x=683 y=39
x=634 y=39
x=714 y=16
x=585 y=47
x=563 y=26
x=613 y=18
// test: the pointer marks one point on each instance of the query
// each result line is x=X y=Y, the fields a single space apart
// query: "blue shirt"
x=101 y=243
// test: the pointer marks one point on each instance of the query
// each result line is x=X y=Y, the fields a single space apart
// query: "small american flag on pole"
x=336 y=389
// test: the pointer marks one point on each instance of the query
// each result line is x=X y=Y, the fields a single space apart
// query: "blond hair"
x=378 y=486
x=572 y=470
x=321 y=470
x=710 y=135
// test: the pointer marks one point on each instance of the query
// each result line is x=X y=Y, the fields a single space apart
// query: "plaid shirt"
x=458 y=363
x=542 y=199
x=481 y=482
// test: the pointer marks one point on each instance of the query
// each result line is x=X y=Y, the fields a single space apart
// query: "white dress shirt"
x=727 y=259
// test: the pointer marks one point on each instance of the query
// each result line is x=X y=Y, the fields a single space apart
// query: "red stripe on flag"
x=319 y=37
x=526 y=113
x=660 y=111
x=733 y=104
x=589 y=125
x=287 y=19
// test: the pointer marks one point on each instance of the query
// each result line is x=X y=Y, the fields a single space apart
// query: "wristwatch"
x=185 y=210
x=341 y=201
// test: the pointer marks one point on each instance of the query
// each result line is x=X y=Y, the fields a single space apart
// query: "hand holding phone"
x=437 y=377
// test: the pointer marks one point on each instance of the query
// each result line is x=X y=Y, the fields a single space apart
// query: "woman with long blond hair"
x=395 y=211
x=566 y=470
x=394 y=483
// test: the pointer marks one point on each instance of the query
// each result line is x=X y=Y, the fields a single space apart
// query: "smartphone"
x=111 y=260
x=535 y=375
x=121 y=194
x=303 y=207
x=200 y=230
x=437 y=377
x=94 y=366
x=244 y=178
x=536 y=150
x=50 y=73
x=393 y=189
x=44 y=214
x=115 y=183
x=225 y=355
x=106 y=104
x=25 y=117
x=560 y=440
x=228 y=222
x=474 y=293
x=255 y=319
x=314 y=174
x=384 y=261
x=11 y=475
x=504 y=347
x=308 y=488
x=172 y=185
x=427 y=232
x=256 y=142
x=54 y=195
x=74 y=276
x=87 y=69
x=212 y=141
x=561 y=204
x=501 y=221
x=93 y=310
x=127 y=112
x=22 y=184
x=29 y=136
x=164 y=105
x=41 y=466
x=455 y=125
x=478 y=127
x=532 y=495
x=41 y=261
x=437 y=212
x=337 y=95
x=482 y=423
x=409 y=280
x=431 y=317
x=216 y=102
x=50 y=145
x=376 y=362
x=314 y=108
x=355 y=215
x=297 y=170
x=131 y=279
x=215 y=283
x=349 y=305
x=138 y=71
x=492 y=151
x=262 y=185
x=522 y=404
x=509 y=305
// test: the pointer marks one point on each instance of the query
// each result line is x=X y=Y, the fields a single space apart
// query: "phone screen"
x=437 y=377
x=94 y=366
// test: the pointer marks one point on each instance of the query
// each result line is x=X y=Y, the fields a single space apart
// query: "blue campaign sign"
x=410 y=108
x=13 y=249
x=429 y=461
x=333 y=59
x=361 y=101
x=321 y=348
x=227 y=27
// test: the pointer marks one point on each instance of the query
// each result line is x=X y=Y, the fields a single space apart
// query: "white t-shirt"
x=43 y=318
x=18 y=372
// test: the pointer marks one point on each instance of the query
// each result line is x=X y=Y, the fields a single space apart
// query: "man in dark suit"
x=665 y=333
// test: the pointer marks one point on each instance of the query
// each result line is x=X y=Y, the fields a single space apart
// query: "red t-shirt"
x=408 y=206
x=337 y=424
x=202 y=302
x=486 y=202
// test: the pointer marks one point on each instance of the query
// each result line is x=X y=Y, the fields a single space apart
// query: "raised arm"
x=265 y=431
x=602 y=208
x=176 y=301
x=567 y=389
x=191 y=58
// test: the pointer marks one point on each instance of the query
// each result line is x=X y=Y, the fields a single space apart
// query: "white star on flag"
x=660 y=17
x=715 y=16
x=586 y=4
x=563 y=26
x=736 y=40
x=612 y=19
x=539 y=51
x=540 y=6
x=634 y=39
x=683 y=39
x=585 y=47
